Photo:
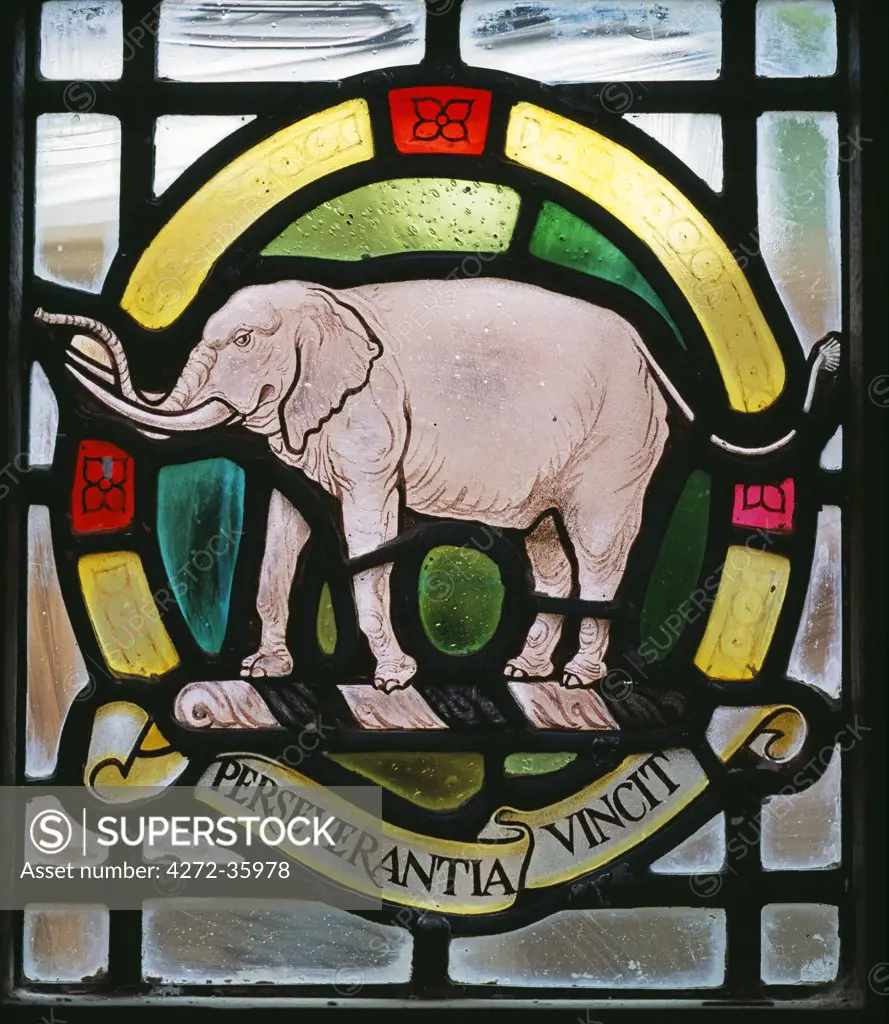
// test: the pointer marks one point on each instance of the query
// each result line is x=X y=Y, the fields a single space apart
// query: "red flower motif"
x=440 y=119
x=765 y=506
x=102 y=498
x=104 y=484
x=436 y=119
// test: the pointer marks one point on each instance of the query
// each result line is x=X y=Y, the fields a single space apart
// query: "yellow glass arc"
x=684 y=241
x=176 y=263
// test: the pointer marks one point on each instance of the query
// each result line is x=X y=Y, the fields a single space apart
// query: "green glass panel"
x=536 y=764
x=667 y=608
x=200 y=512
x=561 y=237
x=404 y=215
x=437 y=782
x=461 y=596
x=325 y=626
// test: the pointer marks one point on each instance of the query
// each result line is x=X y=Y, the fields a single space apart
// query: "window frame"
x=857 y=92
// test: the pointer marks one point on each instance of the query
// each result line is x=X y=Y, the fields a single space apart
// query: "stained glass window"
x=450 y=399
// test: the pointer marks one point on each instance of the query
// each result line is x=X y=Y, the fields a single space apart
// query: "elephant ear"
x=336 y=349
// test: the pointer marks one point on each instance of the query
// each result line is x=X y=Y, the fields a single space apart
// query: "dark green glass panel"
x=325 y=626
x=200 y=512
x=437 y=782
x=536 y=764
x=667 y=609
x=563 y=238
x=461 y=596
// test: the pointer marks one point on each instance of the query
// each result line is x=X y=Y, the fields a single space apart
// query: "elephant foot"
x=273 y=663
x=524 y=667
x=582 y=672
x=395 y=674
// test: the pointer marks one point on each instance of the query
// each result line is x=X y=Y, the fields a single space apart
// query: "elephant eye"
x=243 y=340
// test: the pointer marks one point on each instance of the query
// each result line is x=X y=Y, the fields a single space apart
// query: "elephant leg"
x=370 y=521
x=552 y=576
x=602 y=523
x=286 y=534
x=601 y=547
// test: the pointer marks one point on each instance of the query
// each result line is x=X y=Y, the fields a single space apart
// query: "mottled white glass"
x=77 y=216
x=65 y=942
x=651 y=947
x=280 y=942
x=796 y=38
x=279 y=41
x=179 y=139
x=704 y=850
x=615 y=41
x=81 y=40
x=800 y=943
x=803 y=831
x=817 y=655
x=43 y=420
x=695 y=138
x=799 y=217
x=57 y=672
x=832 y=456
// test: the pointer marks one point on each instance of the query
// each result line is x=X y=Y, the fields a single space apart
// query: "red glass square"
x=440 y=119
x=102 y=499
x=764 y=506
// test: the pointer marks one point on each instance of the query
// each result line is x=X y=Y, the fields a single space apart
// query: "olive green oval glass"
x=461 y=598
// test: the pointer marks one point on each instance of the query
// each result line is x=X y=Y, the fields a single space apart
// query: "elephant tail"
x=824 y=364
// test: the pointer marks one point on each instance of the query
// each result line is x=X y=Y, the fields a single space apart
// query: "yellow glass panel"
x=154 y=740
x=744 y=615
x=125 y=751
x=122 y=611
x=175 y=264
x=680 y=236
x=438 y=782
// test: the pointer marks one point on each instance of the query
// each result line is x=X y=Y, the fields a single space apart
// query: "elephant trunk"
x=183 y=409
x=104 y=335
x=187 y=391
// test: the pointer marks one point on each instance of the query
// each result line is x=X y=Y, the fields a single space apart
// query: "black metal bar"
x=167 y=97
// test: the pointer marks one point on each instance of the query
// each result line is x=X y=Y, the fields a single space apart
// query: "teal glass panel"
x=200 y=513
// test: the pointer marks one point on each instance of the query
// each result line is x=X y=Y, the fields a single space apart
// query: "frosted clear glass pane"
x=179 y=139
x=799 y=217
x=796 y=38
x=704 y=850
x=234 y=942
x=280 y=41
x=817 y=655
x=57 y=672
x=665 y=947
x=595 y=40
x=43 y=419
x=65 y=943
x=803 y=831
x=695 y=138
x=78 y=198
x=832 y=456
x=81 y=40
x=800 y=943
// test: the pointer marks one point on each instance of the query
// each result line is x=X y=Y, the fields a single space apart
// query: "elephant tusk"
x=211 y=414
